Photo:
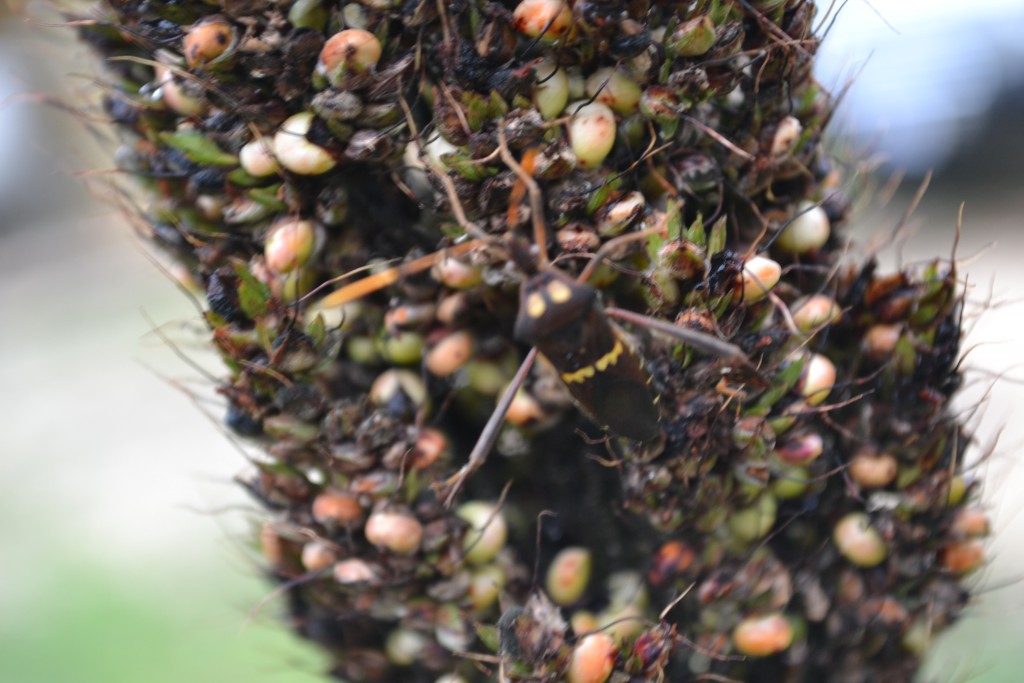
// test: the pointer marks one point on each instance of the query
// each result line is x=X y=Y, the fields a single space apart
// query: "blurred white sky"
x=926 y=72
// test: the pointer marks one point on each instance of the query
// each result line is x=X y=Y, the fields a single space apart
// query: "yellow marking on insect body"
x=611 y=358
x=535 y=305
x=603 y=363
x=559 y=292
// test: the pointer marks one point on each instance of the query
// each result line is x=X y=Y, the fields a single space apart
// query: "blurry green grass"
x=95 y=628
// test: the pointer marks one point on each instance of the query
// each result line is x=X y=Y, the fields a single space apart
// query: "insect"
x=564 y=320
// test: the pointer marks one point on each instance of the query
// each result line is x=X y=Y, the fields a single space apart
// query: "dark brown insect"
x=564 y=320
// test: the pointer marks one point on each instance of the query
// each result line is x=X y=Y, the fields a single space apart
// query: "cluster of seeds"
x=360 y=189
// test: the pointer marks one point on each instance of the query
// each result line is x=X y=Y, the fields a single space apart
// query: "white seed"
x=316 y=555
x=352 y=51
x=592 y=659
x=761 y=636
x=289 y=245
x=858 y=541
x=568 y=575
x=760 y=275
x=174 y=96
x=614 y=88
x=786 y=135
x=399 y=532
x=814 y=312
x=873 y=470
x=612 y=220
x=809 y=231
x=880 y=340
x=551 y=93
x=818 y=378
x=450 y=354
x=485 y=586
x=591 y=132
x=551 y=19
x=405 y=647
x=298 y=154
x=487 y=531
x=353 y=570
x=257 y=158
x=437 y=148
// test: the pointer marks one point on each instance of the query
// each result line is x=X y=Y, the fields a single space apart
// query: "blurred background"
x=123 y=543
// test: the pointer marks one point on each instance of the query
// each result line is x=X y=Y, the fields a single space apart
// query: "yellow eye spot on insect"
x=559 y=292
x=609 y=359
x=535 y=305
x=580 y=376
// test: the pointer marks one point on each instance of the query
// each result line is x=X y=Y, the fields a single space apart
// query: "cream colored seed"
x=337 y=507
x=808 y=232
x=615 y=88
x=206 y=41
x=591 y=132
x=487 y=531
x=295 y=152
x=761 y=636
x=880 y=340
x=353 y=570
x=450 y=354
x=257 y=158
x=568 y=575
x=786 y=135
x=760 y=275
x=814 y=312
x=819 y=376
x=551 y=93
x=593 y=659
x=317 y=555
x=289 y=245
x=551 y=19
x=399 y=532
x=873 y=470
x=350 y=51
x=858 y=541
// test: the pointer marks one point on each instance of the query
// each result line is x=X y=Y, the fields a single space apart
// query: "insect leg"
x=698 y=340
x=488 y=436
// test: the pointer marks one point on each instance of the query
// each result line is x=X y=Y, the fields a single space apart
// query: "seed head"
x=487 y=531
x=760 y=275
x=963 y=557
x=450 y=354
x=814 y=312
x=786 y=135
x=808 y=232
x=354 y=570
x=615 y=88
x=257 y=158
x=859 y=541
x=551 y=93
x=568 y=575
x=549 y=19
x=763 y=635
x=593 y=659
x=873 y=470
x=289 y=245
x=207 y=40
x=817 y=379
x=591 y=132
x=295 y=152
x=337 y=508
x=352 y=51
x=399 y=532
